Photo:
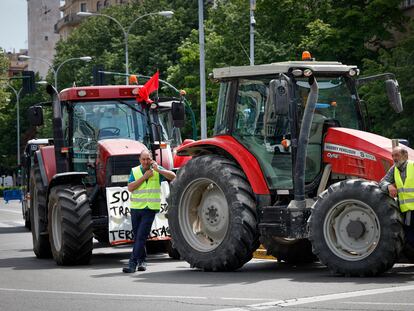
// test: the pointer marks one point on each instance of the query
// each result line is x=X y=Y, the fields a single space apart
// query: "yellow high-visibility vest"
x=406 y=189
x=148 y=194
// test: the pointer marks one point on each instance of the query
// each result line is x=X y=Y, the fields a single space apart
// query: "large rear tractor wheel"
x=172 y=251
x=70 y=225
x=356 y=229
x=38 y=215
x=212 y=214
x=291 y=251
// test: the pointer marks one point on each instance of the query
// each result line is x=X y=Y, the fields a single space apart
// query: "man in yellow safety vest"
x=145 y=187
x=399 y=182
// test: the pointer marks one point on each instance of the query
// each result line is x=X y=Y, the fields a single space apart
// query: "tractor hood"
x=120 y=147
x=357 y=153
x=116 y=157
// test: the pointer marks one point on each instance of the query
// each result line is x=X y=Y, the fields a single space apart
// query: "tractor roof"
x=319 y=68
x=98 y=92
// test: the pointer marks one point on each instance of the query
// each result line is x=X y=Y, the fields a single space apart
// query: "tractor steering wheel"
x=109 y=131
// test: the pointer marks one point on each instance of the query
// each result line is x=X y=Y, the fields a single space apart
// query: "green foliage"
x=350 y=31
x=8 y=118
x=399 y=61
x=153 y=40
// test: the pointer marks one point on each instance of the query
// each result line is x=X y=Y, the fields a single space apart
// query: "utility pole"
x=203 y=112
x=252 y=25
x=17 y=94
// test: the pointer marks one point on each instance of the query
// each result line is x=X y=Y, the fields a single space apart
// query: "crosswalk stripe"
x=11 y=224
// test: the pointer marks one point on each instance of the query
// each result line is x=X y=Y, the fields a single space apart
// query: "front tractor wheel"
x=356 y=229
x=212 y=214
x=70 y=225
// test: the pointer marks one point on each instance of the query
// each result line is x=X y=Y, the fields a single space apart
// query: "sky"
x=13 y=25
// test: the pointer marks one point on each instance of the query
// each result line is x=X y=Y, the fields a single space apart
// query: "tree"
x=346 y=31
x=399 y=61
x=153 y=40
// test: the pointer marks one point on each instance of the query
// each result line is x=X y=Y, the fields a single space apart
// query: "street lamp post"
x=17 y=93
x=203 y=105
x=56 y=71
x=252 y=24
x=83 y=58
x=126 y=31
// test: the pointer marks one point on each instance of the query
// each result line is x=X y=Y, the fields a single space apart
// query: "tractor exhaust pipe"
x=300 y=162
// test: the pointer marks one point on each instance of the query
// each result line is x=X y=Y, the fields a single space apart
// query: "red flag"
x=148 y=88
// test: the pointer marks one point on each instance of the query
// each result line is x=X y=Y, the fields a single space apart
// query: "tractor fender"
x=71 y=178
x=47 y=165
x=230 y=148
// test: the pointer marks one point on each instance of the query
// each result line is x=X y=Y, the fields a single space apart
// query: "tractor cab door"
x=262 y=130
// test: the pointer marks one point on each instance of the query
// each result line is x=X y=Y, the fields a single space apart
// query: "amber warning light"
x=306 y=55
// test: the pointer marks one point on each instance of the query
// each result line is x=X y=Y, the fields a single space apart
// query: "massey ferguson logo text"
x=349 y=151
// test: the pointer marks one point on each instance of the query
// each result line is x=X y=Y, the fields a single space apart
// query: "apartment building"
x=42 y=15
x=70 y=20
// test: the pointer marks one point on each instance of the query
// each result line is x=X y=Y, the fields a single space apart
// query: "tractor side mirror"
x=394 y=95
x=279 y=96
x=178 y=114
x=35 y=115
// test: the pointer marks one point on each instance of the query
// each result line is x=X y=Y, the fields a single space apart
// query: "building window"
x=98 y=5
x=83 y=7
x=106 y=3
x=408 y=3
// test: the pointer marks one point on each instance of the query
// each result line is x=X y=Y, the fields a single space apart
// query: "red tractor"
x=98 y=135
x=290 y=165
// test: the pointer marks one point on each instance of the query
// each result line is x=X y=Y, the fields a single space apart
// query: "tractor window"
x=335 y=101
x=170 y=133
x=108 y=119
x=221 y=124
x=261 y=131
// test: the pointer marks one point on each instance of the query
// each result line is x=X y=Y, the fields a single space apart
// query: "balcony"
x=69 y=20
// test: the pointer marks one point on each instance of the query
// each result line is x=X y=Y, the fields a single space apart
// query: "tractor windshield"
x=335 y=102
x=99 y=120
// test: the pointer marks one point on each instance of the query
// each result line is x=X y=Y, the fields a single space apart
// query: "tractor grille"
x=118 y=167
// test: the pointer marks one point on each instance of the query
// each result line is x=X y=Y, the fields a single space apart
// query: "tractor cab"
x=88 y=124
x=263 y=106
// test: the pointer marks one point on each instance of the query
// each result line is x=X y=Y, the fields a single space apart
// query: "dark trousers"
x=409 y=227
x=141 y=226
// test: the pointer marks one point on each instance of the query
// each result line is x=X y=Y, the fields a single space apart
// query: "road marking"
x=247 y=299
x=379 y=303
x=96 y=294
x=306 y=300
x=124 y=295
x=11 y=224
x=11 y=211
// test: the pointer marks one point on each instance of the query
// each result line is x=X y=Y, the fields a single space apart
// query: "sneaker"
x=142 y=266
x=132 y=267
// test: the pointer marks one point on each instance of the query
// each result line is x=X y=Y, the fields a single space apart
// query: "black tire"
x=172 y=251
x=38 y=215
x=26 y=214
x=224 y=217
x=298 y=251
x=356 y=229
x=70 y=225
x=102 y=236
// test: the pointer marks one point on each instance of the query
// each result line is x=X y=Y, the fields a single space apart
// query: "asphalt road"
x=28 y=283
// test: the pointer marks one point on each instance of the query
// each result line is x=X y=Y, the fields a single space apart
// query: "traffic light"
x=29 y=85
x=98 y=77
